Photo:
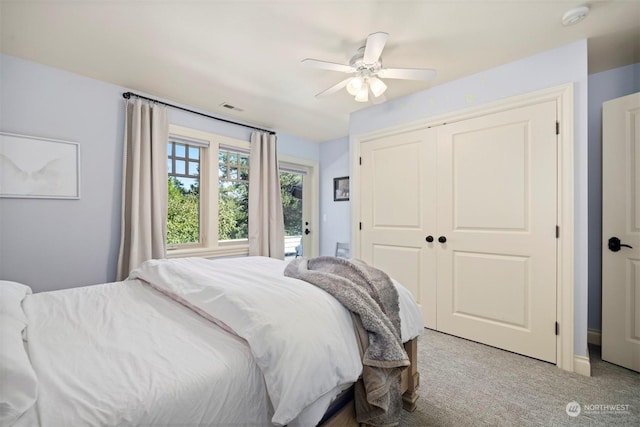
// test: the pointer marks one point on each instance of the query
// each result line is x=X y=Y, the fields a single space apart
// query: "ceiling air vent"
x=231 y=107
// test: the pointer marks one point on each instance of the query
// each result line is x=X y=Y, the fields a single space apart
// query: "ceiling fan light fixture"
x=363 y=93
x=355 y=85
x=366 y=72
x=377 y=86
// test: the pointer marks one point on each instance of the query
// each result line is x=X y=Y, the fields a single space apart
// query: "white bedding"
x=122 y=354
x=168 y=365
x=18 y=381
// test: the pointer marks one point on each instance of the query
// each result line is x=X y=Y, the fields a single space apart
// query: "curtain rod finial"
x=126 y=95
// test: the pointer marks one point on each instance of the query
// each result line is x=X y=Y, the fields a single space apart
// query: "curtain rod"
x=128 y=95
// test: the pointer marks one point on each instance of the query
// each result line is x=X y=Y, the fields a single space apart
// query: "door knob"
x=615 y=244
x=306 y=231
x=442 y=239
x=429 y=239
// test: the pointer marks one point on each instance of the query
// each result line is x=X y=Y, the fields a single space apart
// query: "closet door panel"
x=397 y=191
x=496 y=197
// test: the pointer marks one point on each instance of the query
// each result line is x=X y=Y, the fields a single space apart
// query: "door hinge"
x=557 y=231
x=360 y=226
x=360 y=160
x=557 y=328
x=557 y=128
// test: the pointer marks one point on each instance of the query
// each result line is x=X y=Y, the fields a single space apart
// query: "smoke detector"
x=575 y=15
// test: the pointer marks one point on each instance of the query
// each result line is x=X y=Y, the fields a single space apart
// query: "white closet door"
x=496 y=197
x=621 y=219
x=398 y=212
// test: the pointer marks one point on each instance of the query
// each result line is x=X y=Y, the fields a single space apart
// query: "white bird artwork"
x=44 y=181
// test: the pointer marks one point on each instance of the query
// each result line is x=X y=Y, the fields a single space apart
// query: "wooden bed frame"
x=410 y=380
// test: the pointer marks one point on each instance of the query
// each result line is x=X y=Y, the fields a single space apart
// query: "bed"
x=165 y=348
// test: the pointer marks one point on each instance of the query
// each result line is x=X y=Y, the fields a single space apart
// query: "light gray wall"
x=602 y=87
x=567 y=64
x=53 y=244
x=334 y=216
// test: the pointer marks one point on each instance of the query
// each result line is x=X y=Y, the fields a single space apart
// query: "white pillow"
x=18 y=382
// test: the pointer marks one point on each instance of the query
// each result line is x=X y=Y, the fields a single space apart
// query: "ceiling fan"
x=366 y=67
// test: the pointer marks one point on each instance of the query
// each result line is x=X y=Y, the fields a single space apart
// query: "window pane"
x=183 y=213
x=194 y=169
x=180 y=167
x=222 y=157
x=291 y=192
x=233 y=193
x=233 y=202
x=194 y=153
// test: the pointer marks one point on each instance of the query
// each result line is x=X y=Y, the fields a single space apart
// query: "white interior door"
x=621 y=220
x=397 y=177
x=497 y=211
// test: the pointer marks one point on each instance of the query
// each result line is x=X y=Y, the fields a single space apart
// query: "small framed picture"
x=341 y=189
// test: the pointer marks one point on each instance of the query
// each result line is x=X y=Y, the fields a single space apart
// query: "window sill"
x=221 y=251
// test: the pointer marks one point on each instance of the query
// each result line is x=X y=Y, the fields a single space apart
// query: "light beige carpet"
x=463 y=383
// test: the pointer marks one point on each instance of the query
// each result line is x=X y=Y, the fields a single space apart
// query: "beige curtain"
x=266 y=221
x=144 y=185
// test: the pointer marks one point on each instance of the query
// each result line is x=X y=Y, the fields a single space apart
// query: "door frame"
x=563 y=96
x=310 y=192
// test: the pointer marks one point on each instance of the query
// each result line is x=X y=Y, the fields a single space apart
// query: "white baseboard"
x=594 y=337
x=582 y=365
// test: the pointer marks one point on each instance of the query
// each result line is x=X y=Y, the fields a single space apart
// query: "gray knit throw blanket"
x=373 y=301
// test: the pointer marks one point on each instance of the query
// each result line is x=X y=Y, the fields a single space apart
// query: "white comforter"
x=301 y=337
x=123 y=354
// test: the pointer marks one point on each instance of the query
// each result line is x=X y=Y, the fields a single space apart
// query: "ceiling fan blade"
x=374 y=46
x=334 y=88
x=407 y=73
x=316 y=63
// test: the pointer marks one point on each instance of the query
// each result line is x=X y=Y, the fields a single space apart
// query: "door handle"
x=306 y=231
x=615 y=244
x=429 y=239
x=442 y=239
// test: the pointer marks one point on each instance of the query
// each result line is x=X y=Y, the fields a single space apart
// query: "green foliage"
x=183 y=213
x=291 y=207
x=233 y=209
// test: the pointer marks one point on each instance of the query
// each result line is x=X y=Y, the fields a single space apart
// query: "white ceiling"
x=248 y=53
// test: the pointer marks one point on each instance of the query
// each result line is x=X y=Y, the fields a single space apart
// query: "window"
x=207 y=211
x=233 y=195
x=183 y=213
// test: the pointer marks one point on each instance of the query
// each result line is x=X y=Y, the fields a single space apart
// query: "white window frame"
x=209 y=245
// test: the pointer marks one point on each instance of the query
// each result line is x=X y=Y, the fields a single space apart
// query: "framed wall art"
x=341 y=189
x=33 y=167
